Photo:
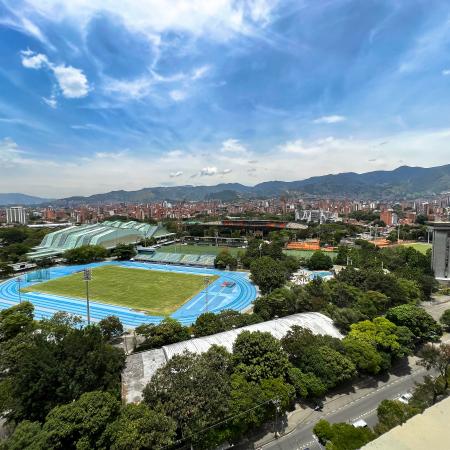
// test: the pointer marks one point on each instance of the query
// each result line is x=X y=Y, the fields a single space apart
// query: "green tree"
x=207 y=323
x=259 y=355
x=139 y=428
x=43 y=370
x=364 y=354
x=5 y=270
x=382 y=333
x=27 y=435
x=111 y=327
x=320 y=261
x=80 y=424
x=16 y=319
x=268 y=274
x=342 y=436
x=306 y=384
x=193 y=390
x=445 y=319
x=280 y=302
x=437 y=358
x=225 y=260
x=124 y=251
x=253 y=403
x=168 y=331
x=392 y=413
x=417 y=320
x=85 y=254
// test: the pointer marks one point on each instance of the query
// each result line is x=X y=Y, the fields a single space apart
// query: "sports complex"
x=135 y=292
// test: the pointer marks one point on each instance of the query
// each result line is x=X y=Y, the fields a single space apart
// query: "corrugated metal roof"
x=140 y=367
x=316 y=322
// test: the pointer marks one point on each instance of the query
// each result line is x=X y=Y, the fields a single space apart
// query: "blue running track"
x=237 y=297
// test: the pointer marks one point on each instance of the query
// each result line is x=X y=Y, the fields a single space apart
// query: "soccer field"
x=158 y=293
x=306 y=253
x=421 y=247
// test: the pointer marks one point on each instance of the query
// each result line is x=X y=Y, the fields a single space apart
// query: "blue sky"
x=98 y=95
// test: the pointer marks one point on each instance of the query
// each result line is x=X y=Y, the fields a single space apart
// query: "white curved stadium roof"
x=316 y=322
x=140 y=367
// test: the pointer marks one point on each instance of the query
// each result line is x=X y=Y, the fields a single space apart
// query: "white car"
x=405 y=398
x=359 y=423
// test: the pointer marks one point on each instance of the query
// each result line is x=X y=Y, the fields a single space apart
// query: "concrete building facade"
x=16 y=214
x=441 y=250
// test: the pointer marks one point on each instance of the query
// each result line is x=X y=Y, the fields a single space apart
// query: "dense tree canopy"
x=268 y=274
x=225 y=260
x=124 y=251
x=320 y=261
x=417 y=320
x=259 y=355
x=85 y=254
x=56 y=365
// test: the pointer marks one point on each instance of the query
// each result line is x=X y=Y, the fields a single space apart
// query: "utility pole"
x=87 y=276
x=276 y=402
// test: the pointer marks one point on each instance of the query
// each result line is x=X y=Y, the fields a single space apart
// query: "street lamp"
x=87 y=276
x=206 y=293
x=19 y=280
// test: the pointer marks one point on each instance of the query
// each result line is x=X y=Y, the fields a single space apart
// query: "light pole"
x=87 y=276
x=206 y=293
x=19 y=280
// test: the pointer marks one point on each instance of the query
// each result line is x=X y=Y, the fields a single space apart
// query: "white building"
x=16 y=214
x=316 y=215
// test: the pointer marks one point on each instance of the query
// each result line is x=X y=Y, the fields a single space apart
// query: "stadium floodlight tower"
x=87 y=276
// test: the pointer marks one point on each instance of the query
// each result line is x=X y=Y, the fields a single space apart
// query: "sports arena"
x=50 y=291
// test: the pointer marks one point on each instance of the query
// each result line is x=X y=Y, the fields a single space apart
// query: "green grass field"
x=306 y=253
x=191 y=249
x=422 y=247
x=158 y=293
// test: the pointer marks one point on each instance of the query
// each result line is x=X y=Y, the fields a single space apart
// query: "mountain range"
x=21 y=199
x=401 y=183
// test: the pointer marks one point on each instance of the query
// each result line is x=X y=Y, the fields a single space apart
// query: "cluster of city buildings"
x=303 y=209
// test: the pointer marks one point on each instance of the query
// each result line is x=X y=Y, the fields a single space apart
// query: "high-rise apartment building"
x=16 y=214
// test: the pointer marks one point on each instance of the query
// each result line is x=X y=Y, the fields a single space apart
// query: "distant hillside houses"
x=107 y=234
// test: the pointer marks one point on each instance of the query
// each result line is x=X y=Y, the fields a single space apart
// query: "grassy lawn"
x=422 y=247
x=306 y=253
x=190 y=249
x=158 y=293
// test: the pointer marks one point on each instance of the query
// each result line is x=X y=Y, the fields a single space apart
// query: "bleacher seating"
x=177 y=258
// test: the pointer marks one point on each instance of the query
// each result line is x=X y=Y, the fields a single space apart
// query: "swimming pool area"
x=231 y=290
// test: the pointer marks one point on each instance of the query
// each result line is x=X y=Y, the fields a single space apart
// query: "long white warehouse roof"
x=140 y=367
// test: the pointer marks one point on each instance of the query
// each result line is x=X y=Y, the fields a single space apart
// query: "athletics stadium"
x=154 y=286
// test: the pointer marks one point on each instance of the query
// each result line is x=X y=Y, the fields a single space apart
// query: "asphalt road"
x=362 y=408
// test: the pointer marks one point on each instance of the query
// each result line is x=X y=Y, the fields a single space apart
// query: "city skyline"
x=98 y=96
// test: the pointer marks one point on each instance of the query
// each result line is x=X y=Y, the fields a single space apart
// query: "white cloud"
x=71 y=81
x=176 y=174
x=208 y=171
x=129 y=89
x=110 y=169
x=178 y=95
x=233 y=146
x=52 y=102
x=330 y=119
x=200 y=72
x=446 y=72
x=32 y=60
x=219 y=19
